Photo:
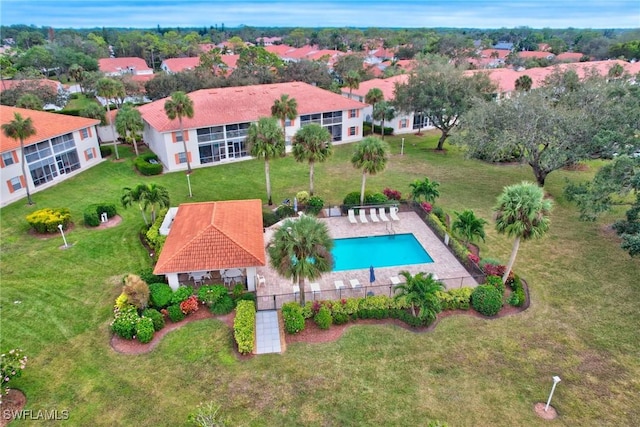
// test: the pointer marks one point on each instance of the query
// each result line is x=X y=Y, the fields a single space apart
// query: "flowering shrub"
x=189 y=305
x=125 y=321
x=473 y=258
x=156 y=317
x=293 y=317
x=181 y=294
x=392 y=194
x=145 y=330
x=492 y=269
x=47 y=220
x=11 y=366
x=426 y=206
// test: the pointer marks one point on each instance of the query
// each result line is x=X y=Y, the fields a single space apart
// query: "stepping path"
x=267 y=332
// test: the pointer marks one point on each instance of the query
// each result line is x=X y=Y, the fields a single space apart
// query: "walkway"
x=267 y=332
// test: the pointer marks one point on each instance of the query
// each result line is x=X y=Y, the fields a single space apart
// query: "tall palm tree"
x=468 y=226
x=420 y=291
x=110 y=89
x=180 y=105
x=266 y=139
x=312 y=143
x=425 y=188
x=522 y=212
x=372 y=97
x=371 y=155
x=301 y=249
x=148 y=196
x=384 y=111
x=283 y=109
x=352 y=81
x=20 y=129
x=129 y=123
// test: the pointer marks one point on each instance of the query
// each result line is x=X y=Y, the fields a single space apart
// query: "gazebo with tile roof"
x=211 y=236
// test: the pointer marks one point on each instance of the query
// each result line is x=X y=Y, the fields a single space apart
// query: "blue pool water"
x=378 y=251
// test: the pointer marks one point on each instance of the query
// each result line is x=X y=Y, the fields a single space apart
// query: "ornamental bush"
x=496 y=282
x=105 y=151
x=284 y=211
x=244 y=326
x=487 y=300
x=160 y=295
x=190 y=305
x=455 y=299
x=392 y=194
x=156 y=317
x=302 y=196
x=210 y=294
x=93 y=212
x=145 y=330
x=292 y=317
x=11 y=366
x=375 y=199
x=181 y=294
x=323 y=318
x=125 y=321
x=148 y=164
x=137 y=291
x=47 y=220
x=315 y=205
x=175 y=313
x=224 y=305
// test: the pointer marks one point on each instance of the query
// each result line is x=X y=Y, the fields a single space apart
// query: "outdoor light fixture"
x=63 y=238
x=556 y=380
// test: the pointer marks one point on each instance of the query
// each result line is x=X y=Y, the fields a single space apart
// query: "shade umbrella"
x=372 y=275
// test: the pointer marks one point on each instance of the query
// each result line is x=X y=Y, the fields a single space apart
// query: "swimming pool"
x=378 y=251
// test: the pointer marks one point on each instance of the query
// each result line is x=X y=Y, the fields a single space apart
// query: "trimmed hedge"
x=105 y=151
x=486 y=300
x=315 y=205
x=156 y=317
x=181 y=294
x=145 y=330
x=160 y=295
x=455 y=299
x=153 y=236
x=145 y=167
x=224 y=305
x=175 y=313
x=93 y=212
x=244 y=326
x=323 y=318
x=47 y=220
x=211 y=294
x=292 y=317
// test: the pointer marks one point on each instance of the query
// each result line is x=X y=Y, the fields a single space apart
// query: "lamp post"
x=189 y=183
x=63 y=238
x=402 y=148
x=556 y=380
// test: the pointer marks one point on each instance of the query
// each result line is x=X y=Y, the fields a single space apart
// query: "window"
x=63 y=143
x=84 y=133
x=43 y=171
x=88 y=153
x=353 y=131
x=353 y=113
x=288 y=122
x=332 y=117
x=404 y=123
x=7 y=159
x=215 y=133
x=14 y=184
x=237 y=130
x=177 y=137
x=37 y=151
x=182 y=157
x=310 y=118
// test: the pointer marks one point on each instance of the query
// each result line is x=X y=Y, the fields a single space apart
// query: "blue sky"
x=312 y=13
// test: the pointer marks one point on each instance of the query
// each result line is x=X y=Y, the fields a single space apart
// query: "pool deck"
x=445 y=266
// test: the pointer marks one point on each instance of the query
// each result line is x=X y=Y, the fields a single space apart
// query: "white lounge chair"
x=352 y=217
x=382 y=215
x=395 y=280
x=372 y=214
x=339 y=284
x=315 y=288
x=355 y=283
x=393 y=213
x=363 y=216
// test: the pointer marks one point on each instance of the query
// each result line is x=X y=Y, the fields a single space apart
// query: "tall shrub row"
x=244 y=326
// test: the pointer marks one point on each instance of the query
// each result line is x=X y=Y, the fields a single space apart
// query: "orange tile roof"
x=11 y=84
x=47 y=125
x=213 y=107
x=570 y=56
x=176 y=65
x=213 y=235
x=279 y=49
x=387 y=86
x=535 y=54
x=117 y=65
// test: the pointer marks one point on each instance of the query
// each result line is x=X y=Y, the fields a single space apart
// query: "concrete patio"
x=278 y=290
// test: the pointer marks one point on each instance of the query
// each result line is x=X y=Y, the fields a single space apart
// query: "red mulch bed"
x=14 y=401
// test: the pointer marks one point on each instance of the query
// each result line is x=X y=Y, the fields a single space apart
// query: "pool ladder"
x=390 y=229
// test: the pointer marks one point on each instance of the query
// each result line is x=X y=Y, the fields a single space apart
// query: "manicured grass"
x=582 y=324
x=79 y=103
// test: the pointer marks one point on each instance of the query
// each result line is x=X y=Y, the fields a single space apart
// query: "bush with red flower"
x=392 y=194
x=426 y=206
x=190 y=305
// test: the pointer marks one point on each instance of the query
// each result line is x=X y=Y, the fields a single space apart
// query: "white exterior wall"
x=15 y=170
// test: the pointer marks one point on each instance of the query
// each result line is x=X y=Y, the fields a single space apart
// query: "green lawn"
x=79 y=103
x=582 y=324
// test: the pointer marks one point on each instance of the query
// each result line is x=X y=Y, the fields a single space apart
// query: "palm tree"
x=371 y=156
x=313 y=144
x=147 y=196
x=420 y=291
x=384 y=111
x=180 y=105
x=425 y=188
x=301 y=249
x=129 y=123
x=468 y=226
x=522 y=212
x=372 y=97
x=110 y=89
x=266 y=139
x=20 y=129
x=524 y=83
x=352 y=81
x=283 y=109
